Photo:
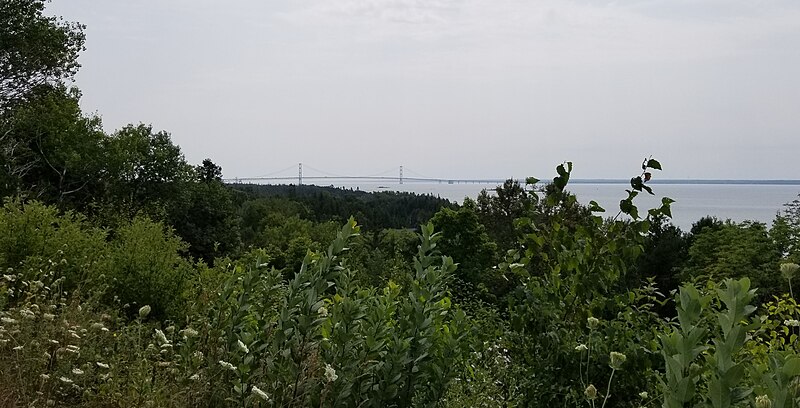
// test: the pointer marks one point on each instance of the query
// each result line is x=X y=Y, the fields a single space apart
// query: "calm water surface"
x=725 y=201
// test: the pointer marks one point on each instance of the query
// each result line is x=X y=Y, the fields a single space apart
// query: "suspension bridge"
x=385 y=176
x=402 y=175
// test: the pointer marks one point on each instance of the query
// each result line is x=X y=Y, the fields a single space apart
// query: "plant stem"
x=608 y=389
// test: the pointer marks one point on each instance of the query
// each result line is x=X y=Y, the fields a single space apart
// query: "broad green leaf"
x=792 y=367
x=653 y=164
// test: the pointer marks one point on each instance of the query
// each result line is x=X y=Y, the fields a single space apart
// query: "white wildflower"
x=592 y=322
x=590 y=392
x=162 y=339
x=788 y=270
x=323 y=311
x=195 y=377
x=242 y=347
x=261 y=394
x=617 y=359
x=792 y=322
x=77 y=371
x=763 y=401
x=53 y=341
x=8 y=320
x=44 y=376
x=227 y=365
x=65 y=380
x=18 y=348
x=48 y=316
x=144 y=311
x=189 y=332
x=581 y=347
x=102 y=365
x=330 y=373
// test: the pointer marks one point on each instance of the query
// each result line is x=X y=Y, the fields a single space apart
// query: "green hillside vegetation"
x=132 y=278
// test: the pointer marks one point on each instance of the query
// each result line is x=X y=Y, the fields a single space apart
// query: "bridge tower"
x=401 y=174
x=299 y=174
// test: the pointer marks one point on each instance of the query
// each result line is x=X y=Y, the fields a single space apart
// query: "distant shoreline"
x=327 y=183
x=693 y=181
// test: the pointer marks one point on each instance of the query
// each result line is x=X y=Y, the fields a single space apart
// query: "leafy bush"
x=35 y=238
x=146 y=268
x=709 y=358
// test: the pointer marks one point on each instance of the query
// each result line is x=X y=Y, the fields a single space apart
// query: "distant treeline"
x=379 y=210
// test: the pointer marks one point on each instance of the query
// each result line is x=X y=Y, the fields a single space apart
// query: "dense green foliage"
x=34 y=49
x=132 y=278
x=381 y=210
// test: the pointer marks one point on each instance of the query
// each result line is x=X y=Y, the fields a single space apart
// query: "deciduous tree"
x=34 y=49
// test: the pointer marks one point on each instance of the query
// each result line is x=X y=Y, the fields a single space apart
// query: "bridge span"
x=365 y=179
x=334 y=178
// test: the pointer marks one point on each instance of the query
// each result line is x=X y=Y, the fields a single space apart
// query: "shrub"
x=146 y=268
x=36 y=239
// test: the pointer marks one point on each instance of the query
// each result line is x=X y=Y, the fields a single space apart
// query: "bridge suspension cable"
x=383 y=173
x=414 y=173
x=277 y=172
x=322 y=172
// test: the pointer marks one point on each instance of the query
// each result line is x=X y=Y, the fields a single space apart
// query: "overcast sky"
x=454 y=88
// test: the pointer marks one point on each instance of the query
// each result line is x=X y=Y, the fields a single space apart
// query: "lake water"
x=738 y=202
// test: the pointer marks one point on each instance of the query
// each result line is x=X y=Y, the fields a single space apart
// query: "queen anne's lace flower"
x=261 y=394
x=617 y=359
x=590 y=392
x=162 y=339
x=144 y=311
x=330 y=373
x=763 y=401
x=788 y=270
x=189 y=332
